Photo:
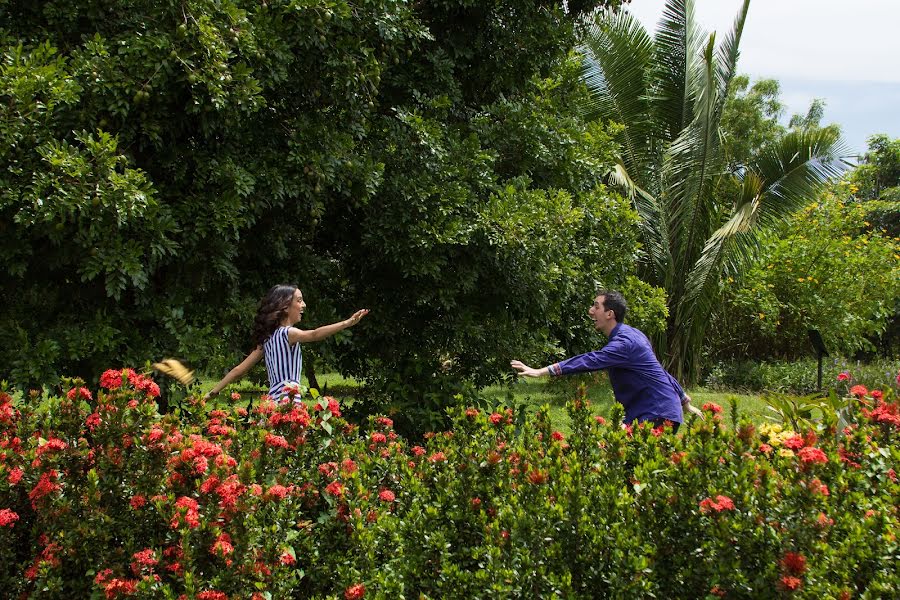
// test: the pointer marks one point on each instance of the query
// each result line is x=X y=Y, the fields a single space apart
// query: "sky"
x=846 y=52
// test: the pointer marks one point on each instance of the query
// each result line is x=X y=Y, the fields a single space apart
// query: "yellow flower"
x=787 y=452
x=762 y=315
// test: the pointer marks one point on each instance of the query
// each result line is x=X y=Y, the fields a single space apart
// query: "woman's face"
x=296 y=307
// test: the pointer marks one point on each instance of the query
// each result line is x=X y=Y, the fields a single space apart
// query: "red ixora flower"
x=712 y=406
x=812 y=456
x=79 y=393
x=859 y=391
x=844 y=376
x=212 y=595
x=8 y=517
x=275 y=441
x=791 y=583
x=721 y=503
x=794 y=563
x=335 y=488
x=355 y=592
x=386 y=496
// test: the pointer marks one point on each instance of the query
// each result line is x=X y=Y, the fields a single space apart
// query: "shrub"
x=100 y=496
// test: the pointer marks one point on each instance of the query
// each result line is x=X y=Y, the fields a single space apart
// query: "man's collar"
x=615 y=330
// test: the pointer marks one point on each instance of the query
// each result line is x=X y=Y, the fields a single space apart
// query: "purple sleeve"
x=612 y=355
x=677 y=387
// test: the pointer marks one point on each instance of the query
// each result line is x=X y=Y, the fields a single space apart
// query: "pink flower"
x=495 y=418
x=386 y=496
x=844 y=376
x=437 y=457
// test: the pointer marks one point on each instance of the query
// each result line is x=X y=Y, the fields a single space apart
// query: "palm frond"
x=728 y=53
x=175 y=370
x=694 y=163
x=679 y=42
x=616 y=53
x=795 y=169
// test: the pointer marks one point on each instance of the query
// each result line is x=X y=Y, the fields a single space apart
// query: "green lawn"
x=535 y=393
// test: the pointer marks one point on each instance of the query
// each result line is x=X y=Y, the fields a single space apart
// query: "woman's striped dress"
x=284 y=362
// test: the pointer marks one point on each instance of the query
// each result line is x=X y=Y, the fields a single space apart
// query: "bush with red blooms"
x=102 y=497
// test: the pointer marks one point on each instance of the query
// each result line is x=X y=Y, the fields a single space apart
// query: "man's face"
x=599 y=314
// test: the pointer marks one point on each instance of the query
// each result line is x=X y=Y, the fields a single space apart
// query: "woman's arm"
x=325 y=331
x=237 y=372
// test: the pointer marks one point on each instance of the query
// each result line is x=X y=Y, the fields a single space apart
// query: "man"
x=646 y=390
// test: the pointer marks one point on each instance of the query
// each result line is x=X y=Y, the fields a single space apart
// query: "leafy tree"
x=670 y=93
x=878 y=175
x=824 y=269
x=163 y=163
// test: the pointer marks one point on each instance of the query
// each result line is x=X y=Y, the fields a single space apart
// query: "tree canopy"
x=163 y=163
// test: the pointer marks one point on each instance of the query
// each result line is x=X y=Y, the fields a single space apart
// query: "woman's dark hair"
x=271 y=312
x=614 y=301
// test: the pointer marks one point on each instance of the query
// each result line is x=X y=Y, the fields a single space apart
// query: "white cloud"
x=823 y=40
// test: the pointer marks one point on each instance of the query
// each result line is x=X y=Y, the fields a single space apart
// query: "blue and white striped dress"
x=284 y=362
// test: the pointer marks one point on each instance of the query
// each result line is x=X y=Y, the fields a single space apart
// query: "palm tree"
x=669 y=92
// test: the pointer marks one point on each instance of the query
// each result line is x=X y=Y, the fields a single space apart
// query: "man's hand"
x=687 y=407
x=527 y=371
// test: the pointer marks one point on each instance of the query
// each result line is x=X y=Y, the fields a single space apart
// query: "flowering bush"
x=101 y=497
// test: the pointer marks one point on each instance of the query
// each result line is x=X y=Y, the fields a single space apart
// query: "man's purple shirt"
x=639 y=382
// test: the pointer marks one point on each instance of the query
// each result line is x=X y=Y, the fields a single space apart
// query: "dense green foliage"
x=826 y=269
x=102 y=497
x=164 y=163
x=702 y=201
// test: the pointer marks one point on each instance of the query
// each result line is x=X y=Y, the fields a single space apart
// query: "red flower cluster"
x=859 y=391
x=844 y=376
x=113 y=380
x=721 y=503
x=386 y=496
x=712 y=407
x=355 y=592
x=884 y=413
x=79 y=393
x=186 y=513
x=8 y=517
x=810 y=455
x=275 y=441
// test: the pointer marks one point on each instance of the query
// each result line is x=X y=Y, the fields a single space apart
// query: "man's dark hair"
x=614 y=301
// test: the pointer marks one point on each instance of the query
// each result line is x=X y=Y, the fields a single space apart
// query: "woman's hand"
x=357 y=317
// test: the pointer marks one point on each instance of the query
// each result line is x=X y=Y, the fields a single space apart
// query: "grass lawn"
x=535 y=393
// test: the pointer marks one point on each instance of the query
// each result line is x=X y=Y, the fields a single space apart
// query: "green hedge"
x=102 y=497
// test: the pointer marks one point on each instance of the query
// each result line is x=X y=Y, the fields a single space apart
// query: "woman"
x=278 y=340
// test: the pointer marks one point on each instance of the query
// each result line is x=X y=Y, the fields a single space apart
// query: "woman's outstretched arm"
x=237 y=372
